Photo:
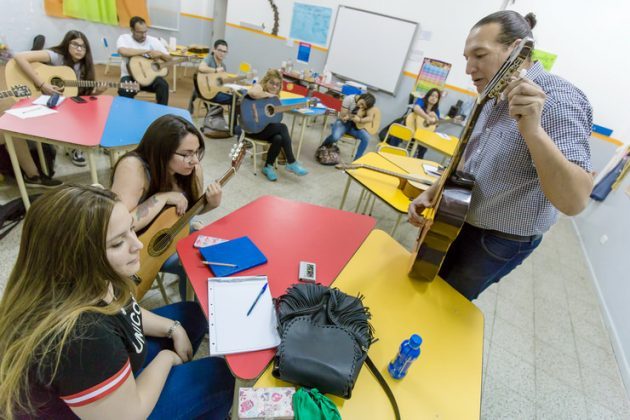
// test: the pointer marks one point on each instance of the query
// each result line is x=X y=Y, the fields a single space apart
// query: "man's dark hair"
x=220 y=42
x=134 y=20
x=513 y=25
x=368 y=98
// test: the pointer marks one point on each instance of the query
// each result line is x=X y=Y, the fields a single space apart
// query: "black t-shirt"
x=100 y=356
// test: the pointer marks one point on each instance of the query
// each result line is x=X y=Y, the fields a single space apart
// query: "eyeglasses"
x=77 y=46
x=276 y=84
x=222 y=51
x=140 y=32
x=188 y=157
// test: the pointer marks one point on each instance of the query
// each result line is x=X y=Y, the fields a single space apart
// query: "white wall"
x=590 y=38
x=198 y=7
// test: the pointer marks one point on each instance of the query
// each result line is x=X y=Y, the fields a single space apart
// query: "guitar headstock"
x=509 y=68
x=237 y=154
x=130 y=86
x=20 y=91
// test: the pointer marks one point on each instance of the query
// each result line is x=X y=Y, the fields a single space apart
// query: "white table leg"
x=16 y=170
x=297 y=155
x=92 y=163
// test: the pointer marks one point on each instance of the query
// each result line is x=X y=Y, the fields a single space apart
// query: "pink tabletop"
x=287 y=232
x=80 y=124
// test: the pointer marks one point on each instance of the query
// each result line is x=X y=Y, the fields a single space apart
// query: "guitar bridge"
x=462 y=179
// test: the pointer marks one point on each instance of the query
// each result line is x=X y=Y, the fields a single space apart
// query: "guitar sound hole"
x=160 y=243
x=269 y=110
x=156 y=67
x=220 y=81
x=57 y=82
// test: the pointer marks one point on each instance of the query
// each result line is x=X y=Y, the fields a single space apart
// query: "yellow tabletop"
x=386 y=186
x=289 y=95
x=441 y=142
x=445 y=382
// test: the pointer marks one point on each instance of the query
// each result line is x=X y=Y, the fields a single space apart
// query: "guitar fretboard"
x=388 y=172
x=91 y=83
x=6 y=93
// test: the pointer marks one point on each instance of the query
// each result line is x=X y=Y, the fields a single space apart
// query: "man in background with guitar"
x=529 y=153
x=354 y=114
x=139 y=43
x=213 y=63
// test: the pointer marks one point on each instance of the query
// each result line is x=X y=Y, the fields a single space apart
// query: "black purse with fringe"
x=325 y=338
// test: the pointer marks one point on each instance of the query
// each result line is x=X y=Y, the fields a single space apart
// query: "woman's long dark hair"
x=426 y=100
x=156 y=149
x=87 y=64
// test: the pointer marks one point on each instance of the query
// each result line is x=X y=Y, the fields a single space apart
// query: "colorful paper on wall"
x=310 y=23
x=304 y=52
x=54 y=8
x=546 y=59
x=101 y=11
x=433 y=74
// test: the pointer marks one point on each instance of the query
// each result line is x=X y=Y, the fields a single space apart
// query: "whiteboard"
x=370 y=48
x=164 y=14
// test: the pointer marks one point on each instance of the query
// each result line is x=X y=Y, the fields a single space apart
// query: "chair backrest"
x=386 y=148
x=399 y=131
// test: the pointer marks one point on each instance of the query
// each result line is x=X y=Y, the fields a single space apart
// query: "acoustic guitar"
x=372 y=126
x=210 y=85
x=256 y=114
x=408 y=184
x=62 y=77
x=161 y=237
x=444 y=221
x=17 y=91
x=145 y=70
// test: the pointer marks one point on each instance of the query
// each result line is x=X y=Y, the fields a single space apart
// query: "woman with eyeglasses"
x=74 y=51
x=74 y=343
x=275 y=133
x=164 y=170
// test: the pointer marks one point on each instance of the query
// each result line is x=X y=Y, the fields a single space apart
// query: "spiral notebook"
x=230 y=329
x=240 y=252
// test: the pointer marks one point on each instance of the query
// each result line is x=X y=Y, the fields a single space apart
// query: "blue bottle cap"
x=415 y=341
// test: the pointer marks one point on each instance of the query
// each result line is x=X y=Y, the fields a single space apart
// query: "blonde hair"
x=61 y=272
x=271 y=74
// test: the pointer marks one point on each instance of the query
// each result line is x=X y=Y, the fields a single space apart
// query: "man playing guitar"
x=529 y=153
x=213 y=63
x=139 y=43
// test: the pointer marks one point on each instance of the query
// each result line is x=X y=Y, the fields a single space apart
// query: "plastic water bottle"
x=409 y=351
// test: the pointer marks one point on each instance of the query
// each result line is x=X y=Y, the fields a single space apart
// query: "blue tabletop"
x=314 y=110
x=129 y=118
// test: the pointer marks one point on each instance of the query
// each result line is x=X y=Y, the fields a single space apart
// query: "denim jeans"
x=339 y=128
x=200 y=388
x=173 y=266
x=478 y=258
x=159 y=87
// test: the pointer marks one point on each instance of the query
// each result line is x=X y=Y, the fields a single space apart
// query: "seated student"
x=32 y=176
x=75 y=52
x=275 y=133
x=425 y=114
x=139 y=43
x=213 y=63
x=353 y=111
x=164 y=170
x=74 y=341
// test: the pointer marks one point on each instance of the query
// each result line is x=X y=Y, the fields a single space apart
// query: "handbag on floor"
x=325 y=336
x=214 y=124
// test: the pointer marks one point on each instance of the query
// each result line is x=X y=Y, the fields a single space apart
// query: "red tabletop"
x=287 y=232
x=80 y=124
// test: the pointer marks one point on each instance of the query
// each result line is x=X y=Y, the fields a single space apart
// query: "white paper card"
x=42 y=100
x=30 y=111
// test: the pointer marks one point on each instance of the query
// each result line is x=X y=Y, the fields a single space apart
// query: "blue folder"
x=241 y=251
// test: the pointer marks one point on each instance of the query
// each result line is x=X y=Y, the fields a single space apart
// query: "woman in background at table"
x=275 y=133
x=424 y=114
x=73 y=340
x=164 y=170
x=74 y=52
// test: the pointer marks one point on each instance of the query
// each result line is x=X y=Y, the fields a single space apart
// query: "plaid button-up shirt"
x=508 y=196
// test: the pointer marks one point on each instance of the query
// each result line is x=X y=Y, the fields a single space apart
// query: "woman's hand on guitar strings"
x=213 y=195
x=48 y=89
x=178 y=200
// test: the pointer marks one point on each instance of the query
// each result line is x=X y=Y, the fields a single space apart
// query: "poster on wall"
x=310 y=23
x=546 y=58
x=433 y=74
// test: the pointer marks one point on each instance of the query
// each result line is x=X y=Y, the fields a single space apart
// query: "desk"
x=311 y=81
x=384 y=186
x=443 y=143
x=445 y=382
x=183 y=52
x=109 y=122
x=288 y=98
x=287 y=232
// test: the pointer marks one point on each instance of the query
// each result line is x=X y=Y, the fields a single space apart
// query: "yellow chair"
x=402 y=133
x=256 y=144
x=245 y=67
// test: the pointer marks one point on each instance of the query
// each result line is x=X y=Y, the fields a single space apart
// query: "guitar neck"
x=6 y=94
x=392 y=173
x=91 y=83
x=284 y=108
x=234 y=79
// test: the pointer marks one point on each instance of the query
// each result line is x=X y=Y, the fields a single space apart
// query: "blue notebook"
x=241 y=251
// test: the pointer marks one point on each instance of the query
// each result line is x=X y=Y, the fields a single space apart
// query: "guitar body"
x=372 y=126
x=145 y=70
x=415 y=121
x=255 y=113
x=55 y=75
x=410 y=188
x=433 y=244
x=210 y=85
x=158 y=247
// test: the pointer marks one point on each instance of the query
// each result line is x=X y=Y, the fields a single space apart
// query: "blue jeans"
x=339 y=128
x=173 y=266
x=201 y=388
x=478 y=258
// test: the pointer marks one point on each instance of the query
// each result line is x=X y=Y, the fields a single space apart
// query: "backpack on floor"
x=327 y=155
x=214 y=124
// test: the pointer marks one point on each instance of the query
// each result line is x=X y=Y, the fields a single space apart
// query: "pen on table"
x=257 y=298
x=30 y=110
x=218 y=264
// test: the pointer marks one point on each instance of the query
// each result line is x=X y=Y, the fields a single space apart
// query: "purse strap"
x=384 y=385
